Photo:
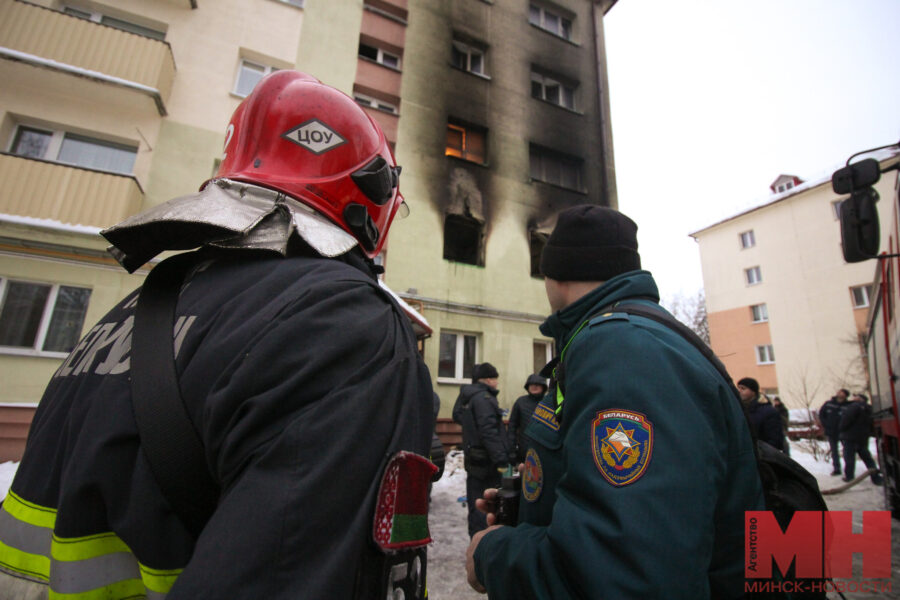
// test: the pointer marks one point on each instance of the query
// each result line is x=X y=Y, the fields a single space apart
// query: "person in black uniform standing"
x=855 y=428
x=484 y=438
x=830 y=420
x=521 y=412
x=764 y=419
x=298 y=371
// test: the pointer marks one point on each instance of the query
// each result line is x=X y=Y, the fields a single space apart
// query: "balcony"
x=53 y=40
x=70 y=195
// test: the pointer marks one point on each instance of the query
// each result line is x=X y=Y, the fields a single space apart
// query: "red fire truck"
x=860 y=237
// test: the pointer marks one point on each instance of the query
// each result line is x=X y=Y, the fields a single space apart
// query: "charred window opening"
x=463 y=238
x=536 y=243
x=465 y=142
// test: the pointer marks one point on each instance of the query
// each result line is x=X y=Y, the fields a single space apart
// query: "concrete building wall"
x=179 y=134
x=497 y=300
x=812 y=325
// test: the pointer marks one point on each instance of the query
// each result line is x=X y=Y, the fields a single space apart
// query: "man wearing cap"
x=484 y=438
x=640 y=467
x=764 y=418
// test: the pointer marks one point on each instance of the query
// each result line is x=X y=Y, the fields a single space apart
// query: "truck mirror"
x=860 y=230
x=859 y=175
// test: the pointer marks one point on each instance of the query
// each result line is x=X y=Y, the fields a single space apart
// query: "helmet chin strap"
x=360 y=223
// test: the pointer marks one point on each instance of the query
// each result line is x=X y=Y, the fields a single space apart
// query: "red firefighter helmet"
x=315 y=144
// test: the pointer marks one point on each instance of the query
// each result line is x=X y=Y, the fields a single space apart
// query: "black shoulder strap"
x=680 y=328
x=169 y=439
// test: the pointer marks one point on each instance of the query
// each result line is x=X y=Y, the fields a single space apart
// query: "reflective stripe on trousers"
x=86 y=568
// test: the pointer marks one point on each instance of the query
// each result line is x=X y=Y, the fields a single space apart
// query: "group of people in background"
x=490 y=446
x=847 y=421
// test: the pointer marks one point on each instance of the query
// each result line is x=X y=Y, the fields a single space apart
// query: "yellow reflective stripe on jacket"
x=157 y=580
x=29 y=512
x=103 y=566
x=25 y=533
x=99 y=566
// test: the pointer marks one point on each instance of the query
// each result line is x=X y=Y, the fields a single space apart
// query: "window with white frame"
x=40 y=318
x=382 y=57
x=376 y=104
x=860 y=294
x=543 y=353
x=784 y=187
x=765 y=354
x=748 y=239
x=118 y=23
x=249 y=74
x=456 y=355
x=550 y=20
x=73 y=149
x=753 y=275
x=555 y=168
x=547 y=88
x=760 y=313
x=468 y=58
x=836 y=207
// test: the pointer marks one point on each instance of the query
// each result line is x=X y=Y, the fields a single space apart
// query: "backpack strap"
x=168 y=438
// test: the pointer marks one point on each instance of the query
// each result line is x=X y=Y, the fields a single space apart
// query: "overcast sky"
x=713 y=99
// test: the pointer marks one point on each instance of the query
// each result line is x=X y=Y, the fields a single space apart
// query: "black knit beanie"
x=590 y=243
x=484 y=371
x=750 y=383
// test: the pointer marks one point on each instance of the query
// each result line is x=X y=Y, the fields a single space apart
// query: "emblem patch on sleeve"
x=622 y=442
x=533 y=477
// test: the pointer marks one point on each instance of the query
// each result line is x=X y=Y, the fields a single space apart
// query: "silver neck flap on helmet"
x=225 y=214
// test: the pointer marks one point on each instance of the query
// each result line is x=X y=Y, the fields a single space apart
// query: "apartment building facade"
x=783 y=305
x=497 y=110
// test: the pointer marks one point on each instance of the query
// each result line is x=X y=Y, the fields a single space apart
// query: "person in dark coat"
x=485 y=448
x=855 y=427
x=785 y=415
x=764 y=419
x=437 y=454
x=830 y=420
x=640 y=468
x=521 y=412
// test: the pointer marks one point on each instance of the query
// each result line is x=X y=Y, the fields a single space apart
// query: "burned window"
x=536 y=243
x=465 y=142
x=463 y=239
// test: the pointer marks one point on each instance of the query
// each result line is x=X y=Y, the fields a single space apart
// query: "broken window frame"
x=536 y=242
x=475 y=254
x=472 y=144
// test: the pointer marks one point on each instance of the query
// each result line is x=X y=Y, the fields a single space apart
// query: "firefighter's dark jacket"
x=484 y=435
x=830 y=417
x=302 y=378
x=674 y=532
x=856 y=422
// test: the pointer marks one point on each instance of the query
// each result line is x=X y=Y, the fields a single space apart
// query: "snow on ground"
x=7 y=472
x=447 y=518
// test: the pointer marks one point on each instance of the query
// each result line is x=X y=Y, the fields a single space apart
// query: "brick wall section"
x=14 y=424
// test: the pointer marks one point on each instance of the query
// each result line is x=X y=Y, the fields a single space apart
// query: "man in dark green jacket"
x=638 y=473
